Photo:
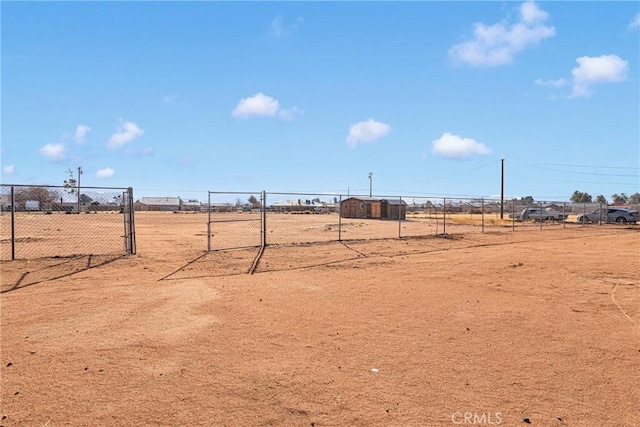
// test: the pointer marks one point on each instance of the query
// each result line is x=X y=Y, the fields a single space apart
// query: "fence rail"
x=255 y=219
x=55 y=221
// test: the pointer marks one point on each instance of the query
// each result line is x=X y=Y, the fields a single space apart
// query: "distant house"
x=369 y=207
x=222 y=207
x=191 y=206
x=165 y=204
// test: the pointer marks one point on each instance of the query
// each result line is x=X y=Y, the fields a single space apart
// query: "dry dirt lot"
x=533 y=327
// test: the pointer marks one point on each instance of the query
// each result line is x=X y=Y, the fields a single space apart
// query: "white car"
x=540 y=215
x=610 y=215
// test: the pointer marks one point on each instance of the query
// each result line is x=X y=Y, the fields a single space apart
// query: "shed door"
x=375 y=210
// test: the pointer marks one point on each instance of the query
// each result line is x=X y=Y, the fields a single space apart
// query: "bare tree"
x=42 y=195
x=71 y=183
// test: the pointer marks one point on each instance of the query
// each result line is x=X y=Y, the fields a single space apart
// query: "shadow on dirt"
x=274 y=258
x=20 y=274
x=221 y=263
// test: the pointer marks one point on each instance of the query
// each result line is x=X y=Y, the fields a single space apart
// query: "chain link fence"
x=255 y=219
x=233 y=222
x=53 y=221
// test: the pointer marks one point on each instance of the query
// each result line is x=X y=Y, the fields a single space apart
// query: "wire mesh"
x=54 y=221
x=283 y=218
x=235 y=220
x=295 y=218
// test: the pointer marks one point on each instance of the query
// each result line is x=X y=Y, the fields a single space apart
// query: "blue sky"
x=177 y=98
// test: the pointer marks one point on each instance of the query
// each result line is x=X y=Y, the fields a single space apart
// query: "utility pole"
x=370 y=184
x=79 y=173
x=501 y=188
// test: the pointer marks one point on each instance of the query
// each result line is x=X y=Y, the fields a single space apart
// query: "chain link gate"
x=39 y=221
x=235 y=224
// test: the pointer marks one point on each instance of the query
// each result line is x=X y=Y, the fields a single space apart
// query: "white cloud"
x=497 y=44
x=367 y=131
x=597 y=69
x=290 y=113
x=81 y=132
x=8 y=169
x=127 y=132
x=261 y=105
x=255 y=106
x=531 y=13
x=105 y=173
x=454 y=146
x=279 y=29
x=636 y=21
x=552 y=83
x=54 y=152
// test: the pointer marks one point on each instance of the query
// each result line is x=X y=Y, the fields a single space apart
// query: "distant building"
x=369 y=207
x=164 y=204
x=191 y=206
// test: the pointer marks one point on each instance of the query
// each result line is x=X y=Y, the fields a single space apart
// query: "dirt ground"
x=533 y=327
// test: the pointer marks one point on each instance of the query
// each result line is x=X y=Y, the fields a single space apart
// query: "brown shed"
x=356 y=207
x=395 y=208
x=369 y=207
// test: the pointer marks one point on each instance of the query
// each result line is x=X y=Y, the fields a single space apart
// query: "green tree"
x=526 y=200
x=601 y=199
x=620 y=199
x=580 y=197
x=634 y=199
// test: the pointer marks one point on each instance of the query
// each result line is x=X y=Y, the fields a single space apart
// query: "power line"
x=589 y=166
x=456 y=174
x=537 y=178
x=584 y=173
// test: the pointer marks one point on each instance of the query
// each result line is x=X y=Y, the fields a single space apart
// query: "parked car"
x=610 y=215
x=539 y=215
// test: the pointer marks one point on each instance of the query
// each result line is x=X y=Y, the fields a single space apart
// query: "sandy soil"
x=538 y=327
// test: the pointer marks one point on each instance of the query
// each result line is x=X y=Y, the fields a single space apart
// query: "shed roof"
x=395 y=202
x=392 y=201
x=161 y=201
x=364 y=199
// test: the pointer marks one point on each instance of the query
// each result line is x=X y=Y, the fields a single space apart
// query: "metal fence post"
x=264 y=218
x=13 y=224
x=400 y=218
x=444 y=216
x=540 y=213
x=208 y=221
x=513 y=215
x=340 y=219
x=564 y=215
x=600 y=215
x=482 y=201
x=132 y=224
